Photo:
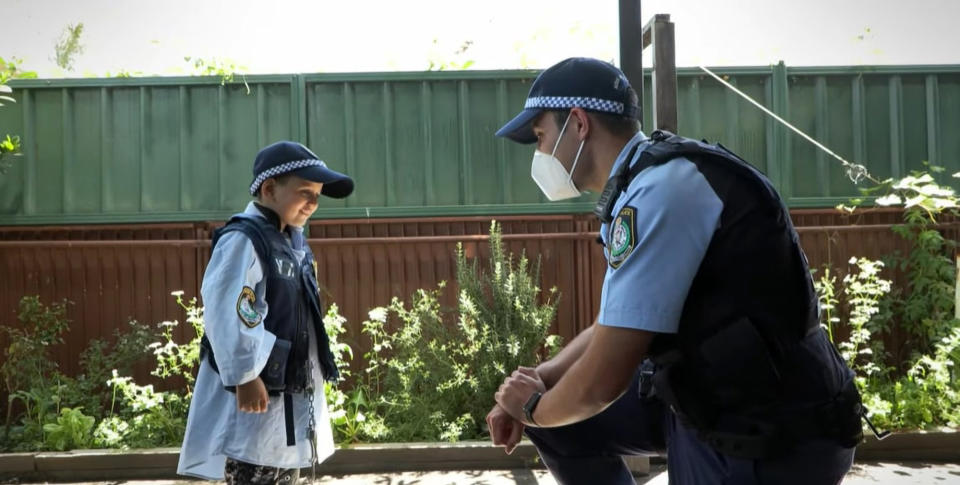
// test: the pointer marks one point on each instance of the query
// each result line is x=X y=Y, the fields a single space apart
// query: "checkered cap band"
x=566 y=102
x=282 y=169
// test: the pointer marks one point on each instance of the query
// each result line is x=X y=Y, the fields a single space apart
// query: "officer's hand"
x=517 y=389
x=504 y=430
x=252 y=397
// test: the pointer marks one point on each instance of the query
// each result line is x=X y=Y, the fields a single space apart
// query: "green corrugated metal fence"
x=421 y=144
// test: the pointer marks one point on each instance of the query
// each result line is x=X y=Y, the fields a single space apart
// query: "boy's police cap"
x=578 y=82
x=288 y=157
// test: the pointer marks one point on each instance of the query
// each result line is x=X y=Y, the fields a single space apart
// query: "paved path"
x=905 y=473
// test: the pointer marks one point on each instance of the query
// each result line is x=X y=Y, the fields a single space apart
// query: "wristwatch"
x=530 y=406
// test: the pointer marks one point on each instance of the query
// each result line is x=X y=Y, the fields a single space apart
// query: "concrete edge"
x=16 y=463
x=397 y=457
x=401 y=457
x=161 y=463
x=934 y=447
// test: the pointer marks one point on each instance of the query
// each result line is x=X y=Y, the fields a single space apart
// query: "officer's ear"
x=581 y=122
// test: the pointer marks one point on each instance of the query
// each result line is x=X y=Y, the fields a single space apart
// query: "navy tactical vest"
x=293 y=299
x=750 y=367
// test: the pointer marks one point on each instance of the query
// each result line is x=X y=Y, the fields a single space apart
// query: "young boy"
x=258 y=413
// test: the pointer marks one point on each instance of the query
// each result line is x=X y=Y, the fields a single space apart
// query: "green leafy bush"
x=918 y=387
x=98 y=407
x=433 y=378
x=141 y=417
x=10 y=144
x=71 y=429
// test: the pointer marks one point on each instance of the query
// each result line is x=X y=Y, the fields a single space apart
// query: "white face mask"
x=549 y=174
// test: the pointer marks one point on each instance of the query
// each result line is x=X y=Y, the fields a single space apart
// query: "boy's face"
x=294 y=199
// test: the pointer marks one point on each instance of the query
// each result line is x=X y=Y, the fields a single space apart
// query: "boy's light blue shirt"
x=216 y=429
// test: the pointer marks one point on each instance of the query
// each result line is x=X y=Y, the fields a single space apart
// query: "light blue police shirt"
x=663 y=223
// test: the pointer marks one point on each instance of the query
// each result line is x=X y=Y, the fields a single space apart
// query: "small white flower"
x=887 y=200
x=378 y=314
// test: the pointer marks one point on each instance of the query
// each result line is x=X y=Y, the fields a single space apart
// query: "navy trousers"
x=590 y=452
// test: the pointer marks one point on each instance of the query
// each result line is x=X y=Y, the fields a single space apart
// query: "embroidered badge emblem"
x=245 y=309
x=622 y=236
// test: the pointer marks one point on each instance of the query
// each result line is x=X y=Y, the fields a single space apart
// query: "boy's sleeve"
x=234 y=310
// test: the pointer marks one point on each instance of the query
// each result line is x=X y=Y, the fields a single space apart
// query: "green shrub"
x=918 y=387
x=98 y=407
x=141 y=417
x=71 y=429
x=434 y=377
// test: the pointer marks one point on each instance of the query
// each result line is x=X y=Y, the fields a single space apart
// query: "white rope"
x=855 y=171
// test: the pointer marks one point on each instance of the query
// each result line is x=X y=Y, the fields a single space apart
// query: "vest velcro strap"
x=288 y=418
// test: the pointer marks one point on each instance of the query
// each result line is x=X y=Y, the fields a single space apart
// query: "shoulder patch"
x=622 y=236
x=245 y=309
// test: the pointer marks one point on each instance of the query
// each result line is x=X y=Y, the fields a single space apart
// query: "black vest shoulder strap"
x=664 y=147
x=249 y=226
x=667 y=146
x=613 y=188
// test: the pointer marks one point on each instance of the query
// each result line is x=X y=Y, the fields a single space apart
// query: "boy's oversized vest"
x=293 y=300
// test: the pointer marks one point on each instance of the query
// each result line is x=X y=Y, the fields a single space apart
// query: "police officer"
x=707 y=344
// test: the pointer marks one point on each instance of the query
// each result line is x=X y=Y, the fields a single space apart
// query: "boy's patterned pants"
x=240 y=473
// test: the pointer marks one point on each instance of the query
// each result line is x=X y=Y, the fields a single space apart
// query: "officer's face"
x=547 y=127
x=294 y=199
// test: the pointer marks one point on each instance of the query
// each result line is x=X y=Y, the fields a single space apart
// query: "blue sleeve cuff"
x=639 y=318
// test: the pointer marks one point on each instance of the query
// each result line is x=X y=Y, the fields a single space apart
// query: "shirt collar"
x=256 y=209
x=637 y=138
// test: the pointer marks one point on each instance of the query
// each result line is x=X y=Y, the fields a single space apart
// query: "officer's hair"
x=615 y=124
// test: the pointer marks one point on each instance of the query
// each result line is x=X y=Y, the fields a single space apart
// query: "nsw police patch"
x=245 y=309
x=622 y=236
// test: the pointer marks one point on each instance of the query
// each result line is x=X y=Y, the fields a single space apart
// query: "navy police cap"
x=287 y=157
x=578 y=82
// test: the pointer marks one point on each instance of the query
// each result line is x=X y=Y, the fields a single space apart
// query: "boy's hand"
x=252 y=397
